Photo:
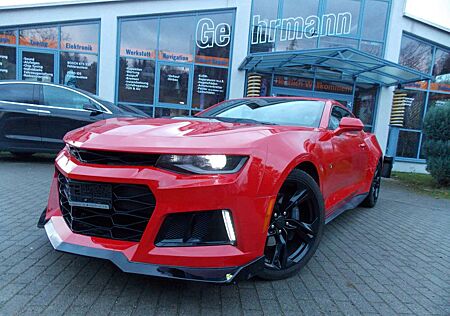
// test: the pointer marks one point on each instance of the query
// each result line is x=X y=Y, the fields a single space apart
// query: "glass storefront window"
x=408 y=144
x=441 y=70
x=262 y=32
x=8 y=37
x=173 y=84
x=438 y=99
x=45 y=37
x=364 y=104
x=79 y=71
x=7 y=62
x=414 y=112
x=415 y=54
x=83 y=37
x=177 y=43
x=213 y=39
x=210 y=86
x=136 y=80
x=375 y=12
x=291 y=34
x=139 y=38
x=333 y=41
x=373 y=48
x=38 y=66
x=348 y=9
x=163 y=112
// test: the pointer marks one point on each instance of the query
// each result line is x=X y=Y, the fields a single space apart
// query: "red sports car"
x=242 y=189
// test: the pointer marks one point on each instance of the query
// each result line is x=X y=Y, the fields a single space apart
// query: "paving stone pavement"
x=393 y=259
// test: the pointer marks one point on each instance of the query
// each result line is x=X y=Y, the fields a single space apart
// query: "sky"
x=435 y=11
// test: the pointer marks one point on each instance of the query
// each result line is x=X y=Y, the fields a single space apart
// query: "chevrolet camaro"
x=242 y=189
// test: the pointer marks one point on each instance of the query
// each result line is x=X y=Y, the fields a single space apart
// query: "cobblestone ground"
x=393 y=259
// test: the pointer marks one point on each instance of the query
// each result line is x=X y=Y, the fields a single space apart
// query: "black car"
x=35 y=116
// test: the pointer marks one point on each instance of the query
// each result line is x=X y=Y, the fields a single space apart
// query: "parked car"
x=242 y=189
x=35 y=116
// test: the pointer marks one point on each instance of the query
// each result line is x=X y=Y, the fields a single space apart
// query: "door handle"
x=39 y=111
x=362 y=145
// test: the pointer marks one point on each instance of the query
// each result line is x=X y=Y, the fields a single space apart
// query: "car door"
x=347 y=163
x=19 y=117
x=65 y=113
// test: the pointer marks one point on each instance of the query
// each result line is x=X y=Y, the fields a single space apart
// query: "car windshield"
x=276 y=111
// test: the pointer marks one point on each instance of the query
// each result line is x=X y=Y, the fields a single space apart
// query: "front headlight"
x=201 y=164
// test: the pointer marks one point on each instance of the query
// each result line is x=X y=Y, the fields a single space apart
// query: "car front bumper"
x=174 y=194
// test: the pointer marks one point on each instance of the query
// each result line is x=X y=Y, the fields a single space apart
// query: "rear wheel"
x=295 y=228
x=374 y=191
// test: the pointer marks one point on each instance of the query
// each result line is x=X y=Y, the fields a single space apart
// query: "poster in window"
x=136 y=80
x=210 y=86
x=173 y=84
x=45 y=37
x=79 y=71
x=7 y=62
x=38 y=66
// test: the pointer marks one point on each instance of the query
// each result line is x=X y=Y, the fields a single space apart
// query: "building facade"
x=173 y=57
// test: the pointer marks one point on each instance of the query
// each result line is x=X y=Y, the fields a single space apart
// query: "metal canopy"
x=343 y=64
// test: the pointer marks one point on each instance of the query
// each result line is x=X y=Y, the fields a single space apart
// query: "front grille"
x=128 y=208
x=113 y=158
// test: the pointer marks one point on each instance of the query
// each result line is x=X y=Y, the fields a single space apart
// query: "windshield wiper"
x=237 y=120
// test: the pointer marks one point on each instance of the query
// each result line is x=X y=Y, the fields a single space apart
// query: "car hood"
x=174 y=135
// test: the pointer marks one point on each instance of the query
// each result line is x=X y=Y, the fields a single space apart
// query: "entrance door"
x=172 y=90
x=37 y=65
x=344 y=99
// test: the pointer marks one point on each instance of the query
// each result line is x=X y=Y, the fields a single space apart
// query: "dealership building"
x=173 y=57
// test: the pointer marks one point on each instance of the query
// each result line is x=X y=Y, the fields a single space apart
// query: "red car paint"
x=345 y=165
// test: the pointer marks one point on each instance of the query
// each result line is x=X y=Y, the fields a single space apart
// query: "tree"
x=437 y=142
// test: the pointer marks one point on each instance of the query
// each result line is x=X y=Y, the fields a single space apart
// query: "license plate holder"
x=92 y=195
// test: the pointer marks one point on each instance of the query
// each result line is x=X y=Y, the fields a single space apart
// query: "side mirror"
x=349 y=124
x=91 y=108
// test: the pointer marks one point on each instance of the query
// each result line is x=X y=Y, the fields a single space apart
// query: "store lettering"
x=138 y=53
x=208 y=34
x=174 y=57
x=78 y=47
x=292 y=28
x=4 y=40
x=38 y=43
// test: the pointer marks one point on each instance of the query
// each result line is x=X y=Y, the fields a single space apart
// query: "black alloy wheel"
x=374 y=191
x=295 y=228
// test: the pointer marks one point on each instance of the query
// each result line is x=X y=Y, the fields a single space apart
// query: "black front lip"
x=211 y=275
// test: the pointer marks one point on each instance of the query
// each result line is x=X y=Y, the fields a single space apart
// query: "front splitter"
x=212 y=275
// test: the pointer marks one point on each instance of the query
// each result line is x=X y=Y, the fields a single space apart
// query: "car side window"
x=20 y=93
x=63 y=98
x=337 y=113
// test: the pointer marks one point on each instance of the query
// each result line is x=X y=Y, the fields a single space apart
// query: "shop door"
x=38 y=65
x=344 y=99
x=173 y=88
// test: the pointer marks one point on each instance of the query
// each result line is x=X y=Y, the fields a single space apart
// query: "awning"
x=343 y=64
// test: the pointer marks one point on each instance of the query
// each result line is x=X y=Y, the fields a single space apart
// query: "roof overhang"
x=343 y=64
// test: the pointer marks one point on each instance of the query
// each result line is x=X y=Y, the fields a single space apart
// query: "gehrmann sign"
x=292 y=28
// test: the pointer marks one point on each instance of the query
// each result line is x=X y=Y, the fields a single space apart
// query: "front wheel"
x=374 y=191
x=295 y=228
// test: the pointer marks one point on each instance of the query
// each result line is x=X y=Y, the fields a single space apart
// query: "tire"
x=21 y=155
x=374 y=192
x=298 y=218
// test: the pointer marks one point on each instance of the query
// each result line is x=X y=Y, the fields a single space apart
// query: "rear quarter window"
x=20 y=93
